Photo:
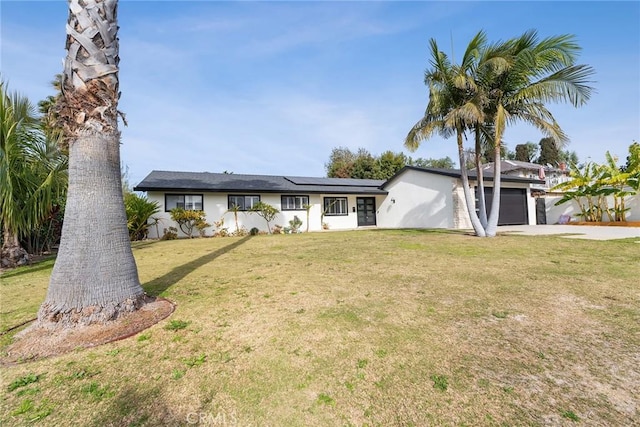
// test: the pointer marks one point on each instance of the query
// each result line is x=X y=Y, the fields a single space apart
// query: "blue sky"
x=272 y=87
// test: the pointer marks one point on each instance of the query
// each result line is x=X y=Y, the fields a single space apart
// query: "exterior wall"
x=571 y=208
x=215 y=207
x=421 y=201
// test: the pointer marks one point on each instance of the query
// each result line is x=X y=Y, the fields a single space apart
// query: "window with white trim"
x=188 y=202
x=294 y=203
x=334 y=206
x=244 y=202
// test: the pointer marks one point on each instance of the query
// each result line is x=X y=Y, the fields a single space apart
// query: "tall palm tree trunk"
x=95 y=278
x=482 y=206
x=492 y=224
x=473 y=216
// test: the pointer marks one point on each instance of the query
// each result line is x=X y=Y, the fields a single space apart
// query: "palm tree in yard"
x=494 y=86
x=455 y=105
x=94 y=278
x=32 y=174
x=538 y=73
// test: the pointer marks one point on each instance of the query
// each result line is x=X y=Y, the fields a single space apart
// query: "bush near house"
x=190 y=220
x=592 y=185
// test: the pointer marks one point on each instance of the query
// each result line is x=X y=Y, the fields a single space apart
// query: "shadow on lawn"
x=133 y=407
x=161 y=284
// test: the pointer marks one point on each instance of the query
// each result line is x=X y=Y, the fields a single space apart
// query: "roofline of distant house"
x=456 y=173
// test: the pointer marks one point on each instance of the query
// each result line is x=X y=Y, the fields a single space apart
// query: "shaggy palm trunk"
x=12 y=254
x=95 y=278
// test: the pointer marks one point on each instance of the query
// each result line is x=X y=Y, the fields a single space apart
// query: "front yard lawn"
x=377 y=327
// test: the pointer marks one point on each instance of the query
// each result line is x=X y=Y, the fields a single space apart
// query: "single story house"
x=413 y=198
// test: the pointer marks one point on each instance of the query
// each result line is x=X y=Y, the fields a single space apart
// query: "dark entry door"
x=366 y=208
x=541 y=211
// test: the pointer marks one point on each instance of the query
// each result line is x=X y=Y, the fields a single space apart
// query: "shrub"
x=266 y=211
x=188 y=220
x=254 y=231
x=295 y=224
x=139 y=210
x=240 y=232
x=170 y=234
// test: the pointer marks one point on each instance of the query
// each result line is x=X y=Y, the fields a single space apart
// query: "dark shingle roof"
x=237 y=183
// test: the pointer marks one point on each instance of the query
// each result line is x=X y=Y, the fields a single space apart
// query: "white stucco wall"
x=571 y=208
x=421 y=201
x=215 y=208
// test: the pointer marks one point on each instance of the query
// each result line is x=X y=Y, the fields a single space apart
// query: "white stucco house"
x=413 y=198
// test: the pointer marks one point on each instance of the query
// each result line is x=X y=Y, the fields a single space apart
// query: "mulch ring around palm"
x=38 y=343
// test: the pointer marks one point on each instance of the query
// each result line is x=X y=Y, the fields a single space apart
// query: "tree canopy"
x=344 y=163
x=493 y=86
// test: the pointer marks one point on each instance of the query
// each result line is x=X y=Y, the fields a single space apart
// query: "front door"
x=366 y=207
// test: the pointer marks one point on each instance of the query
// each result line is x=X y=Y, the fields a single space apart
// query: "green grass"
x=380 y=328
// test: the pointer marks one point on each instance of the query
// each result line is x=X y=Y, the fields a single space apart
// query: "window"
x=293 y=203
x=245 y=203
x=188 y=202
x=335 y=206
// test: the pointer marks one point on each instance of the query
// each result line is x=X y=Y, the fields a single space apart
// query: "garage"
x=513 y=205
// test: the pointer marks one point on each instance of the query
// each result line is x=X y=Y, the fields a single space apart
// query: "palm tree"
x=494 y=86
x=32 y=174
x=95 y=278
x=455 y=105
x=537 y=73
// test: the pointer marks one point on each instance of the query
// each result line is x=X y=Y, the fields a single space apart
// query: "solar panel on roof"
x=304 y=180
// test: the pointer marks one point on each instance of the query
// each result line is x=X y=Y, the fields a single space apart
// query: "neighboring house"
x=550 y=175
x=412 y=198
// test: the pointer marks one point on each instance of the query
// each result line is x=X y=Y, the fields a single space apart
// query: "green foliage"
x=194 y=361
x=254 y=231
x=175 y=325
x=221 y=230
x=592 y=183
x=169 y=234
x=443 y=163
x=570 y=415
x=139 y=211
x=343 y=163
x=495 y=85
x=325 y=399
x=549 y=152
x=440 y=382
x=33 y=170
x=295 y=224
x=189 y=220
x=96 y=391
x=144 y=337
x=526 y=152
x=266 y=211
x=23 y=381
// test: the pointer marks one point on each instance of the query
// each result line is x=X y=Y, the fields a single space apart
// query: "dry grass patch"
x=356 y=328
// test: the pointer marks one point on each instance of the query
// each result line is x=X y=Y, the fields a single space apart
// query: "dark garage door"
x=513 y=205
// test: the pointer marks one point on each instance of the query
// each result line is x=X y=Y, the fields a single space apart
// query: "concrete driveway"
x=574 y=231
